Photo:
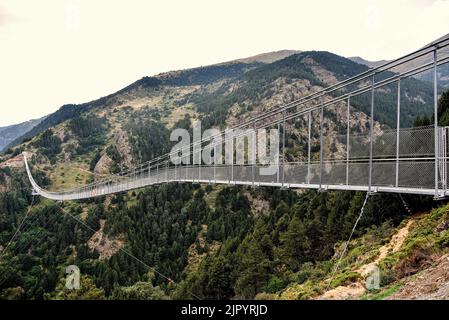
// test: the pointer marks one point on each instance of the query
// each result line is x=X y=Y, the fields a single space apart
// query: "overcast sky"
x=54 y=52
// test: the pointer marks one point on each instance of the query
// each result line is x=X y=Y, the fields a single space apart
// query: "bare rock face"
x=61 y=134
x=5 y=185
x=321 y=73
x=66 y=156
x=430 y=284
x=259 y=206
x=123 y=147
x=121 y=142
x=103 y=165
x=16 y=162
x=106 y=246
x=443 y=226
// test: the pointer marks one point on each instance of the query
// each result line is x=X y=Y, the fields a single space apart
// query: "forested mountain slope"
x=181 y=240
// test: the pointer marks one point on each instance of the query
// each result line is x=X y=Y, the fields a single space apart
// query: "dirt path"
x=349 y=292
x=394 y=245
x=355 y=290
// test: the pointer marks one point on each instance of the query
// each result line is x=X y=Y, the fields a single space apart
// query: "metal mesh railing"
x=404 y=161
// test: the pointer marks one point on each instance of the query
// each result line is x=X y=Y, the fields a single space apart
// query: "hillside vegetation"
x=200 y=241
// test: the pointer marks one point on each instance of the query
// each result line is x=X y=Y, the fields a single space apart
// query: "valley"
x=190 y=241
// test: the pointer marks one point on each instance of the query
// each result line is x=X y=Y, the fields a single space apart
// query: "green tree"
x=140 y=291
x=254 y=270
x=219 y=285
x=87 y=291
x=295 y=245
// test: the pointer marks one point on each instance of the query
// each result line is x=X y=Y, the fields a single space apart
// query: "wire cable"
x=18 y=228
x=126 y=251
x=345 y=248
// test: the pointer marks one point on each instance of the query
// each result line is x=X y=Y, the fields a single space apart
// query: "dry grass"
x=67 y=176
x=179 y=113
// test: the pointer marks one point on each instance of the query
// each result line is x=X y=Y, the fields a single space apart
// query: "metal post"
x=309 y=148
x=442 y=158
x=215 y=164
x=277 y=173
x=398 y=127
x=127 y=181
x=133 y=181
x=215 y=160
x=232 y=157
x=186 y=171
x=348 y=128
x=321 y=144
x=283 y=149
x=139 y=172
x=254 y=153
x=371 y=138
x=199 y=164
x=435 y=105
x=166 y=171
x=445 y=159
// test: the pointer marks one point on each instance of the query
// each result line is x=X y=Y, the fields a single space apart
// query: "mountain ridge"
x=212 y=242
x=189 y=77
x=12 y=132
x=371 y=64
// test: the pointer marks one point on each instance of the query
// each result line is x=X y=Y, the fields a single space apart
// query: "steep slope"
x=371 y=64
x=140 y=90
x=239 y=249
x=269 y=57
x=218 y=90
x=442 y=72
x=12 y=132
x=412 y=260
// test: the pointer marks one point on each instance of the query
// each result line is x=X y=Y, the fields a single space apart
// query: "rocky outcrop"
x=123 y=147
x=431 y=284
x=103 y=244
x=16 y=162
x=103 y=165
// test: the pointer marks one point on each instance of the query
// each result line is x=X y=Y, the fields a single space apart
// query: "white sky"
x=61 y=51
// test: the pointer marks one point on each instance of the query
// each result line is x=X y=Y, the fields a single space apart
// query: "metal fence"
x=377 y=159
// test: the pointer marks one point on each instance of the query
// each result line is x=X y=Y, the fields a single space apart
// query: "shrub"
x=418 y=259
x=345 y=278
x=275 y=284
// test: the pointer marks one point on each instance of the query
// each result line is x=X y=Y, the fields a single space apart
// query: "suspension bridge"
x=378 y=158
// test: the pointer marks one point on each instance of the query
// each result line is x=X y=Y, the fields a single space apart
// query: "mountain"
x=269 y=57
x=211 y=242
x=442 y=72
x=241 y=83
x=12 y=132
x=371 y=64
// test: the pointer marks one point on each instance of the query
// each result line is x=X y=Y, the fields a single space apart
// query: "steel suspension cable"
x=18 y=228
x=126 y=251
x=345 y=248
